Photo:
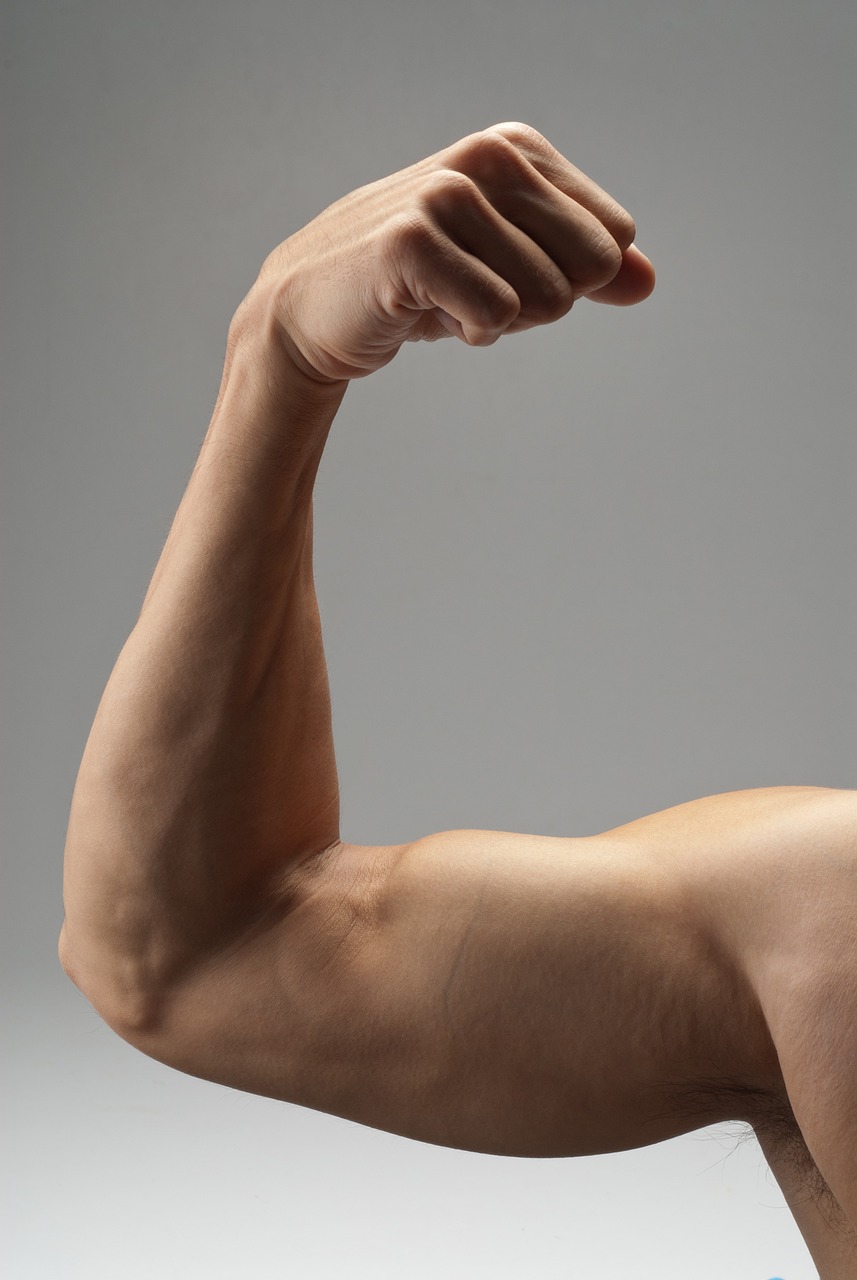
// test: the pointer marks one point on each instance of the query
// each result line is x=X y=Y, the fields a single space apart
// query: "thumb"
x=633 y=282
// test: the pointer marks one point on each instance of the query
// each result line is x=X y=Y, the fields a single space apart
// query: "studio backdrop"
x=593 y=571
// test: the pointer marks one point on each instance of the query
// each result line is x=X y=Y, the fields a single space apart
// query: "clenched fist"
x=493 y=235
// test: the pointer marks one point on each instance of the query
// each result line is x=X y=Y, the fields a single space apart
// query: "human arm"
x=476 y=988
x=214 y=915
x=209 y=774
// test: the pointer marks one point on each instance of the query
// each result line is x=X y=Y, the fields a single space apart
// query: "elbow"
x=125 y=1011
x=64 y=953
x=67 y=960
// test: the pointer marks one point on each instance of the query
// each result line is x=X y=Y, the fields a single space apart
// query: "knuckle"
x=557 y=297
x=494 y=313
x=503 y=309
x=519 y=134
x=499 y=153
x=410 y=233
x=624 y=228
x=482 y=337
x=603 y=260
x=484 y=153
x=446 y=190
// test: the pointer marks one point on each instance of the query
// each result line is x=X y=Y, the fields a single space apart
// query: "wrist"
x=258 y=322
x=266 y=396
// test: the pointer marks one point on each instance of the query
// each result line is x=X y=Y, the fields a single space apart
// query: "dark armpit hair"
x=770 y=1119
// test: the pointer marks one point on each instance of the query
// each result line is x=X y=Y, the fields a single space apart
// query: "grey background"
x=596 y=570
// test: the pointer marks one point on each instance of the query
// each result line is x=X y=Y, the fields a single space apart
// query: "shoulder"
x=746 y=860
x=768 y=876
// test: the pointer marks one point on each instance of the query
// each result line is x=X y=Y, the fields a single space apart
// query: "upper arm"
x=487 y=990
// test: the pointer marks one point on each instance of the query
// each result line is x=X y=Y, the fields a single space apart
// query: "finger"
x=439 y=276
x=546 y=291
x=490 y=157
x=633 y=282
x=586 y=246
x=579 y=246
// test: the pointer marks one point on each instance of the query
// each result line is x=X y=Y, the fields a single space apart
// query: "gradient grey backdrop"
x=594 y=571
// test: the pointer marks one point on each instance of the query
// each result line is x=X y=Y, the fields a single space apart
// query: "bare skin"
x=501 y=992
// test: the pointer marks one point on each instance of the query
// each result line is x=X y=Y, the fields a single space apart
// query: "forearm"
x=210 y=762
